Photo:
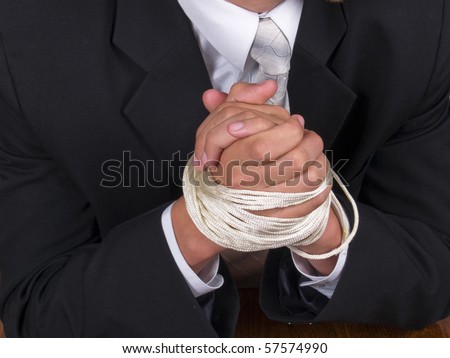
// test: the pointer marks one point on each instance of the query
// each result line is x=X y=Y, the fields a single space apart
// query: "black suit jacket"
x=84 y=83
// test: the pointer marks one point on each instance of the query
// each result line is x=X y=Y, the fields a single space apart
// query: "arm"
x=398 y=265
x=60 y=277
x=254 y=133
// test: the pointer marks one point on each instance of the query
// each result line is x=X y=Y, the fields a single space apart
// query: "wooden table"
x=253 y=323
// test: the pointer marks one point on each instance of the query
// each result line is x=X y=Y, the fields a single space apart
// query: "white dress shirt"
x=225 y=41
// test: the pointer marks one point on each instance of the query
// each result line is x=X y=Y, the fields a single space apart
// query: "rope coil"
x=223 y=215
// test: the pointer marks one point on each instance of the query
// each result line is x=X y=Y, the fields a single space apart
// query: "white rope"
x=223 y=215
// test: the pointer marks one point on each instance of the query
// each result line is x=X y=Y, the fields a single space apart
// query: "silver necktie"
x=271 y=50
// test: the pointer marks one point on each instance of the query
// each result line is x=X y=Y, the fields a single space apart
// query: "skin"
x=241 y=127
x=276 y=131
x=256 y=5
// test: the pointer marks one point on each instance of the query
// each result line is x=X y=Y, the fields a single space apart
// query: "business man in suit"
x=83 y=83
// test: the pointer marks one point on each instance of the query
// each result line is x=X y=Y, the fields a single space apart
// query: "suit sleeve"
x=59 y=276
x=398 y=265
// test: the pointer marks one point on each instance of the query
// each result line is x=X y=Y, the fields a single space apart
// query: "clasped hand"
x=247 y=144
x=250 y=145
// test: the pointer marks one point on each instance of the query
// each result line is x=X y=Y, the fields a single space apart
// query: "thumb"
x=252 y=93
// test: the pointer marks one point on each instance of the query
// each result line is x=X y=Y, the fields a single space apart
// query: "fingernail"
x=300 y=119
x=236 y=126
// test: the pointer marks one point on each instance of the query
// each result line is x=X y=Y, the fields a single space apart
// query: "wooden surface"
x=253 y=323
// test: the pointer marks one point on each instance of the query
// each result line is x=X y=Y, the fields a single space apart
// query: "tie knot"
x=272 y=52
x=271 y=49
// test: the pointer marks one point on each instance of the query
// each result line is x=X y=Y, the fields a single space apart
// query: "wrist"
x=331 y=239
x=195 y=247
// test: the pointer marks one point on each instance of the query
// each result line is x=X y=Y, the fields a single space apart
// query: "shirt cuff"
x=324 y=284
x=207 y=279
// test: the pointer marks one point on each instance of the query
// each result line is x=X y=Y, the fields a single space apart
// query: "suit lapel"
x=167 y=108
x=314 y=90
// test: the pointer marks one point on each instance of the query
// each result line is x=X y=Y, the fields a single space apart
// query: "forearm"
x=196 y=248
x=129 y=275
x=330 y=240
x=395 y=274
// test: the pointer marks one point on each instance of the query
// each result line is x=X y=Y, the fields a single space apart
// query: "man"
x=92 y=89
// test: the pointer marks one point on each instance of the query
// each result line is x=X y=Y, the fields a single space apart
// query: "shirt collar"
x=232 y=29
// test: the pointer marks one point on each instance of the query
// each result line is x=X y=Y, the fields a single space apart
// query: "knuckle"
x=299 y=159
x=234 y=178
x=317 y=141
x=295 y=129
x=247 y=113
x=222 y=106
x=314 y=177
x=261 y=124
x=280 y=111
x=315 y=166
x=257 y=125
x=259 y=149
x=227 y=110
x=211 y=141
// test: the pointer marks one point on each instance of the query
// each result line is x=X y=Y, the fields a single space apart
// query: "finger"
x=248 y=128
x=280 y=176
x=213 y=119
x=274 y=175
x=303 y=185
x=213 y=98
x=303 y=164
x=226 y=133
x=300 y=170
x=228 y=109
x=290 y=179
x=266 y=145
x=220 y=120
x=310 y=148
x=252 y=93
x=216 y=142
